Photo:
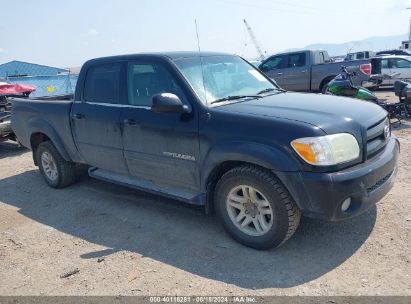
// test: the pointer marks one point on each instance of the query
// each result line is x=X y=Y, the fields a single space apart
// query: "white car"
x=400 y=66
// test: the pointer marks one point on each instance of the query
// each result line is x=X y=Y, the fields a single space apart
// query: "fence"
x=48 y=85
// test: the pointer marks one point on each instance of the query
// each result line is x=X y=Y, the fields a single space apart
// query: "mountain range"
x=368 y=44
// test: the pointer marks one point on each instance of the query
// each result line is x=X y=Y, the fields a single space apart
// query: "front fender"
x=39 y=125
x=270 y=157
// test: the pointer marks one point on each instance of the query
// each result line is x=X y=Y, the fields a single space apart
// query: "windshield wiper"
x=234 y=97
x=270 y=90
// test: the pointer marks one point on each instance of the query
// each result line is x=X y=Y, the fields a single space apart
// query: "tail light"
x=366 y=68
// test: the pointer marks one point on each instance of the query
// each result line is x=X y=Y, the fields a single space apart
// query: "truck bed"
x=39 y=114
x=322 y=71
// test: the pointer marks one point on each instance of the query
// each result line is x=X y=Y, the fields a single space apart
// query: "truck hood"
x=327 y=112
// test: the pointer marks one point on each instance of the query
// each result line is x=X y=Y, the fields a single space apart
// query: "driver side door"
x=274 y=67
x=158 y=147
x=402 y=67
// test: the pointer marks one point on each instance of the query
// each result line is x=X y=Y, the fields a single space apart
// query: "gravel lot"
x=125 y=242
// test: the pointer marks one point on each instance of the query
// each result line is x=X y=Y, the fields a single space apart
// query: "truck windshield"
x=224 y=77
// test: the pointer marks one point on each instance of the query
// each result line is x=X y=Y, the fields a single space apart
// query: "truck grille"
x=377 y=137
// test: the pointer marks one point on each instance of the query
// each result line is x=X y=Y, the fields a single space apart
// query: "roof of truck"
x=171 y=55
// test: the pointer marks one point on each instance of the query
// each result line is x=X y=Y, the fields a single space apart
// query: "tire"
x=62 y=172
x=5 y=128
x=324 y=88
x=279 y=226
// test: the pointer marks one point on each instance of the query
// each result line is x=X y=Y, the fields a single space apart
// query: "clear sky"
x=66 y=33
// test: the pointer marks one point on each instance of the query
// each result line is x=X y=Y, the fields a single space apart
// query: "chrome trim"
x=116 y=105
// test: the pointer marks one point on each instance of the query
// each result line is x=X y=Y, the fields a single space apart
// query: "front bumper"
x=321 y=195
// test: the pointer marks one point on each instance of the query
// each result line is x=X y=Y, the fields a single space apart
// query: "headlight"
x=387 y=128
x=327 y=150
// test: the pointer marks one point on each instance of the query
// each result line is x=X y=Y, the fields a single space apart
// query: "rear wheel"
x=255 y=208
x=57 y=172
x=324 y=89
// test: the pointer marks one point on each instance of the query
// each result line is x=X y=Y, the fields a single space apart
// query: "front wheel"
x=255 y=208
x=57 y=172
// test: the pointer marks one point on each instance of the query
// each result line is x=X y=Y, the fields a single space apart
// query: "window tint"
x=384 y=63
x=273 y=63
x=350 y=57
x=326 y=57
x=102 y=84
x=401 y=64
x=145 y=80
x=360 y=56
x=296 y=60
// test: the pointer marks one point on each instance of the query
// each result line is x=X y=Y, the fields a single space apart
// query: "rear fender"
x=38 y=125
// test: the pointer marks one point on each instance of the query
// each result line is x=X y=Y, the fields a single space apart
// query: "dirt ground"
x=125 y=242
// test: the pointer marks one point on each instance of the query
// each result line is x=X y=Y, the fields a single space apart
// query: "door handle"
x=77 y=116
x=279 y=74
x=304 y=71
x=130 y=122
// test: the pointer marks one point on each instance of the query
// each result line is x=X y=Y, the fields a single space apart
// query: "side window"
x=276 y=62
x=401 y=64
x=145 y=80
x=384 y=64
x=102 y=83
x=296 y=60
x=326 y=57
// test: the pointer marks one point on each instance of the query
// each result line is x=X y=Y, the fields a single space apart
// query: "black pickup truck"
x=214 y=131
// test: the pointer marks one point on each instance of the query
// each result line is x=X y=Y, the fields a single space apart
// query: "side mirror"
x=168 y=103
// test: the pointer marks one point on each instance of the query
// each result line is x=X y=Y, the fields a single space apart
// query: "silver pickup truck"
x=311 y=70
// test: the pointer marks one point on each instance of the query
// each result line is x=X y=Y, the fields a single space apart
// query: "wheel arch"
x=325 y=81
x=227 y=156
x=41 y=131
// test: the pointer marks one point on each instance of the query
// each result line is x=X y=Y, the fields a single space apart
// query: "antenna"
x=201 y=60
x=198 y=38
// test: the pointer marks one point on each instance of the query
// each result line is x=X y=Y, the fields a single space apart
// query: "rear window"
x=102 y=84
x=384 y=64
x=296 y=60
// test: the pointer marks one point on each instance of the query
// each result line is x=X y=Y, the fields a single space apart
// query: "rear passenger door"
x=96 y=118
x=159 y=147
x=296 y=73
x=386 y=65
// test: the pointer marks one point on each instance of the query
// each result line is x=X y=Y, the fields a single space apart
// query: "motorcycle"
x=403 y=91
x=5 y=126
x=342 y=85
